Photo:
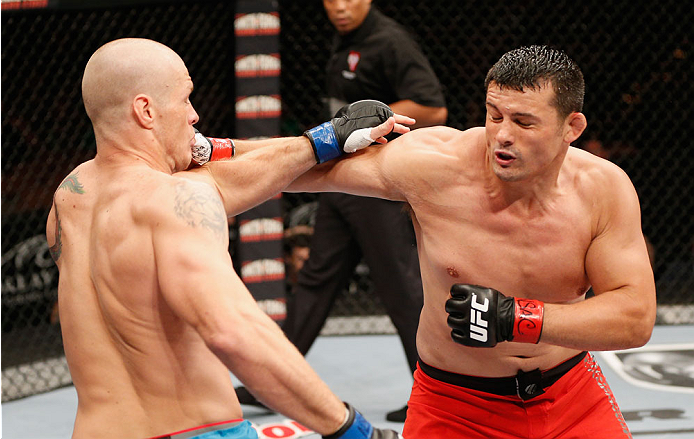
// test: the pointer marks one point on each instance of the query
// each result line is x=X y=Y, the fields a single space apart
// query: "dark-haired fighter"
x=513 y=226
x=153 y=315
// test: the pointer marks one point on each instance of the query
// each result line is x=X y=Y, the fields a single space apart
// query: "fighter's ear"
x=143 y=111
x=575 y=125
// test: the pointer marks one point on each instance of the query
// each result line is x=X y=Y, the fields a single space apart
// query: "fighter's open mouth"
x=504 y=156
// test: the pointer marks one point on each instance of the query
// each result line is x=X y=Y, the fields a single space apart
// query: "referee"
x=372 y=57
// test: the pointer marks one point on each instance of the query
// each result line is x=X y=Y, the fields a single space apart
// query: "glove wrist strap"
x=354 y=427
x=209 y=149
x=222 y=149
x=324 y=142
x=528 y=320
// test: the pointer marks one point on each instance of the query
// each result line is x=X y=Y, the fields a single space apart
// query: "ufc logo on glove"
x=481 y=317
x=477 y=323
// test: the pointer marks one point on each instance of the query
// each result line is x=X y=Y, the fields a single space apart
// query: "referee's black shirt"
x=380 y=60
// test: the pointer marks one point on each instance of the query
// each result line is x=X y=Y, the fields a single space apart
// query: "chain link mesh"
x=636 y=57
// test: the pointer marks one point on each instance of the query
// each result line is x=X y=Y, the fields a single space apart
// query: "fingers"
x=393 y=124
x=400 y=129
x=404 y=120
x=401 y=123
x=381 y=130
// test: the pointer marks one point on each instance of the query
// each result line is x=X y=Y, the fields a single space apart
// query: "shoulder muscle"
x=200 y=206
x=606 y=186
x=427 y=155
x=193 y=206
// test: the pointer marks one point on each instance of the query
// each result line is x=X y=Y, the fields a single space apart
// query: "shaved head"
x=120 y=70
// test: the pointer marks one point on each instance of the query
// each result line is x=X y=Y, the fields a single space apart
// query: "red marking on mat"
x=285 y=429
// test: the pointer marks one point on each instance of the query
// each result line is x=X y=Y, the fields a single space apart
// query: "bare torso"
x=130 y=357
x=467 y=233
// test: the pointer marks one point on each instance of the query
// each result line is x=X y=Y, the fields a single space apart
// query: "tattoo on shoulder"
x=72 y=184
x=57 y=248
x=200 y=207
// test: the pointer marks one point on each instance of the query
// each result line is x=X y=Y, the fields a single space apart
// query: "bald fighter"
x=153 y=315
x=513 y=226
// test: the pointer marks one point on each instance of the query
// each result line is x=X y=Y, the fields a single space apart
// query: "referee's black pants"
x=348 y=228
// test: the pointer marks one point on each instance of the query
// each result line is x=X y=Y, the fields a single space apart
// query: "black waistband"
x=526 y=385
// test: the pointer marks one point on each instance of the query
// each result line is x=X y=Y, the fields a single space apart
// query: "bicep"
x=617 y=257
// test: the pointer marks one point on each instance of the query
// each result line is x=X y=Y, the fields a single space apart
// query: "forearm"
x=360 y=174
x=274 y=370
x=424 y=115
x=618 y=319
x=319 y=178
x=333 y=179
x=202 y=289
x=614 y=320
x=246 y=146
x=260 y=170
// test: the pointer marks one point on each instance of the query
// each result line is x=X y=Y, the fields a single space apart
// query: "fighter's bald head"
x=120 y=70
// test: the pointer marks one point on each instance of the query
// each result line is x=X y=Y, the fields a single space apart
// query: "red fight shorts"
x=578 y=404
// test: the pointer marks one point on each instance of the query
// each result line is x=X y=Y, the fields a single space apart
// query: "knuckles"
x=365 y=109
x=457 y=305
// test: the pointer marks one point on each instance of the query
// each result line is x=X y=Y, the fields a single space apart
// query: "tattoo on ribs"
x=72 y=184
x=200 y=208
x=56 y=248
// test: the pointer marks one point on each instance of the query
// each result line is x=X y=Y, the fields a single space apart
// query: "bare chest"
x=539 y=255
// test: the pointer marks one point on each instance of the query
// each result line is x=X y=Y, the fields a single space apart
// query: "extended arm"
x=263 y=168
x=399 y=170
x=199 y=284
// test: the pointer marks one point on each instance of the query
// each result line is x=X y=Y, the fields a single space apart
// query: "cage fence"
x=636 y=58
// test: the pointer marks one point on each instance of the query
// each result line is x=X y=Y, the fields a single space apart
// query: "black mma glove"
x=356 y=427
x=349 y=130
x=482 y=317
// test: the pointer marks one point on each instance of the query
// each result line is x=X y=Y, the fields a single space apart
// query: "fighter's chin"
x=505 y=174
x=183 y=164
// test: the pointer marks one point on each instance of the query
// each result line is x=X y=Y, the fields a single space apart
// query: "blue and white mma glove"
x=349 y=130
x=356 y=427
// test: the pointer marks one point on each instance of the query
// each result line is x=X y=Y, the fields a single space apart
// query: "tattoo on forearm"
x=72 y=184
x=57 y=248
x=200 y=206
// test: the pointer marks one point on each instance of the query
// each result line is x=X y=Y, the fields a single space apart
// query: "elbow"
x=223 y=343
x=641 y=329
x=641 y=336
x=440 y=116
x=236 y=339
x=434 y=117
x=234 y=349
x=224 y=338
